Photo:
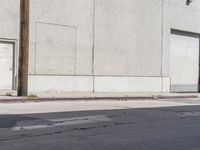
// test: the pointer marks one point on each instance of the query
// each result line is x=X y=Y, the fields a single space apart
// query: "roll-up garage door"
x=184 y=62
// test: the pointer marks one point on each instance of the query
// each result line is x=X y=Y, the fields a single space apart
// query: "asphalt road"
x=174 y=128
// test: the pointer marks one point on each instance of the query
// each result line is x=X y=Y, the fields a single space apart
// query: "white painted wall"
x=55 y=49
x=9 y=19
x=100 y=84
x=124 y=33
x=38 y=83
x=110 y=39
x=119 y=47
x=130 y=84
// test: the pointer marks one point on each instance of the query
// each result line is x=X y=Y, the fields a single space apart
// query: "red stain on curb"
x=124 y=98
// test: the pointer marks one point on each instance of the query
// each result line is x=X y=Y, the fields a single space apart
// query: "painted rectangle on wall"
x=55 y=49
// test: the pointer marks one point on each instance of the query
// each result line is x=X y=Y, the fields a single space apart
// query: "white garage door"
x=6 y=66
x=184 y=62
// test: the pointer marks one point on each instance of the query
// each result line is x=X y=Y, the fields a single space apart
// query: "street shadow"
x=9 y=121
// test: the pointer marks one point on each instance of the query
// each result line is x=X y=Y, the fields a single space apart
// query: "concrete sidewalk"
x=70 y=106
x=67 y=102
x=61 y=102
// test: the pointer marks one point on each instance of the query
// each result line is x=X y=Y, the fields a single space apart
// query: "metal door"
x=6 y=66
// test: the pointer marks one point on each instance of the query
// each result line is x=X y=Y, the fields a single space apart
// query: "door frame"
x=190 y=34
x=15 y=60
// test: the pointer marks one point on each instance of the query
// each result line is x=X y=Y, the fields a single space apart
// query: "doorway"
x=6 y=66
x=184 y=61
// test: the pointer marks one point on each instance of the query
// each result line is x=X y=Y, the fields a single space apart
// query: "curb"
x=119 y=98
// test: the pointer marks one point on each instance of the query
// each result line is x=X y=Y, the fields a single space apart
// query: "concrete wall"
x=9 y=19
x=100 y=45
x=82 y=38
x=119 y=49
x=124 y=33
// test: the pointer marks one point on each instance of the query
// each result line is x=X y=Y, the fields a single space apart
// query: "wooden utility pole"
x=24 y=49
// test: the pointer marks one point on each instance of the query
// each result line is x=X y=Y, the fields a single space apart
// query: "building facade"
x=104 y=45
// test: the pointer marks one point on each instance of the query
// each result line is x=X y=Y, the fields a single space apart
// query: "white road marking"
x=98 y=118
x=190 y=114
x=65 y=122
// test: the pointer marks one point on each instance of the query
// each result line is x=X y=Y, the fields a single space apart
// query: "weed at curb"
x=32 y=96
x=8 y=94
